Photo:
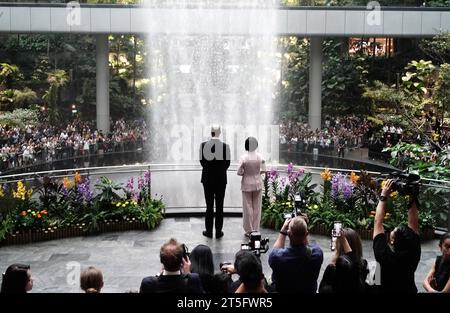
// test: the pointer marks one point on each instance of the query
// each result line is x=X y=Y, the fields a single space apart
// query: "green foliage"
x=19 y=118
x=6 y=226
x=358 y=210
x=151 y=212
x=24 y=98
x=419 y=77
x=421 y=159
x=437 y=48
x=68 y=202
x=292 y=93
x=344 y=78
x=272 y=216
x=7 y=72
x=278 y=194
x=441 y=91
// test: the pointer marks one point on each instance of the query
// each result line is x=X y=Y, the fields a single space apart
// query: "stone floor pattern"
x=126 y=257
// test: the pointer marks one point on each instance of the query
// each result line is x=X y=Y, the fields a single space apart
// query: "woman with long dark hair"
x=438 y=279
x=348 y=270
x=17 y=279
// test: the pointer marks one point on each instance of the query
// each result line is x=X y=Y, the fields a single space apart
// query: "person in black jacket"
x=399 y=254
x=215 y=159
x=175 y=277
x=347 y=271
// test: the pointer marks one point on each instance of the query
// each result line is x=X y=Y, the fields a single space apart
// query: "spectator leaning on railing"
x=398 y=260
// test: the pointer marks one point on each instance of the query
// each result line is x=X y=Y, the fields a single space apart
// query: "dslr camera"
x=299 y=203
x=256 y=244
x=405 y=183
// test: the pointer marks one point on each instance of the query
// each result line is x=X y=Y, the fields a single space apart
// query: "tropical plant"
x=151 y=212
x=19 y=118
x=56 y=79
x=108 y=192
x=279 y=192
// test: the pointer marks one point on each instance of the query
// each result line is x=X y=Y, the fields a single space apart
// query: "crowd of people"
x=340 y=134
x=295 y=267
x=337 y=134
x=46 y=143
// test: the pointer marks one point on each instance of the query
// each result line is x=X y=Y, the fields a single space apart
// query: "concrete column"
x=315 y=83
x=102 y=83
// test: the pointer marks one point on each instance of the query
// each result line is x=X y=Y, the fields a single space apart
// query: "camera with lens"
x=405 y=183
x=299 y=204
x=256 y=244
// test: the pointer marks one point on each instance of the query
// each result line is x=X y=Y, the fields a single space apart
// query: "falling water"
x=219 y=67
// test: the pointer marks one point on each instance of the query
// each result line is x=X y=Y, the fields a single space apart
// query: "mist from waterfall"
x=198 y=78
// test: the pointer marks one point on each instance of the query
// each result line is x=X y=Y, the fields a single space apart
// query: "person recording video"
x=295 y=268
x=399 y=257
x=347 y=270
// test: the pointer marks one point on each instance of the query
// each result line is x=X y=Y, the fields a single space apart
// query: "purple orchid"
x=84 y=189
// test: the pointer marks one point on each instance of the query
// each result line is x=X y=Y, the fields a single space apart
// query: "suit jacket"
x=215 y=158
x=250 y=168
x=184 y=283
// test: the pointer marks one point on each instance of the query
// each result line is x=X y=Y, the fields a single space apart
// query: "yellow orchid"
x=394 y=194
x=2 y=192
x=22 y=192
x=354 y=178
x=326 y=175
x=77 y=178
x=67 y=183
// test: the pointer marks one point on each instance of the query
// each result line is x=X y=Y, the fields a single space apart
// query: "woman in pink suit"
x=251 y=166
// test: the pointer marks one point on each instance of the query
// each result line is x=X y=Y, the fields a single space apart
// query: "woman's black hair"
x=201 y=259
x=444 y=238
x=251 y=144
x=15 y=279
x=250 y=270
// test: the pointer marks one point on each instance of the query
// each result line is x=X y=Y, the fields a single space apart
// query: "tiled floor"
x=126 y=257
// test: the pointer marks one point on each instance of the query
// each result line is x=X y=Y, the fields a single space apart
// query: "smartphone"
x=333 y=243
x=337 y=229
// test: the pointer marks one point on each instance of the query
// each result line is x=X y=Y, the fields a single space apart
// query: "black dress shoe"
x=206 y=234
x=219 y=235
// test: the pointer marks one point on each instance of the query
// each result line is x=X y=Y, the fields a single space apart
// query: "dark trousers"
x=212 y=192
x=341 y=151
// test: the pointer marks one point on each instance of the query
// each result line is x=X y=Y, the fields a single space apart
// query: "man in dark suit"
x=175 y=277
x=215 y=159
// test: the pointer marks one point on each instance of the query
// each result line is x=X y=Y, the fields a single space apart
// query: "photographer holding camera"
x=295 y=268
x=175 y=277
x=399 y=259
